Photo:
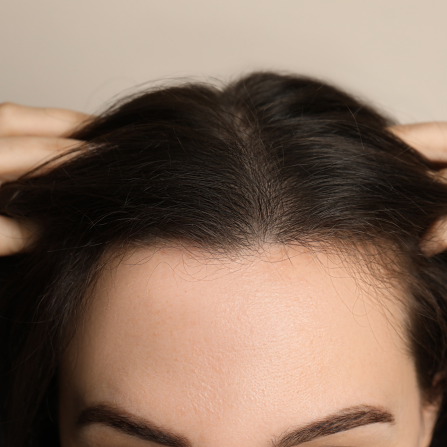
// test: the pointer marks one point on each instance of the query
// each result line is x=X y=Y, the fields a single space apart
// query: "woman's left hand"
x=430 y=139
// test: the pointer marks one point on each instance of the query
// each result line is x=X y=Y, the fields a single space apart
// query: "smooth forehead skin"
x=236 y=352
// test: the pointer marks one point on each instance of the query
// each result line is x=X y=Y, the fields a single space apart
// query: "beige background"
x=79 y=53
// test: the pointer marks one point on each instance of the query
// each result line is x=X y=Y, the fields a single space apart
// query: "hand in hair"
x=28 y=137
x=430 y=139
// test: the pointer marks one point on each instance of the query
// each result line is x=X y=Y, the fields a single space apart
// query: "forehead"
x=182 y=337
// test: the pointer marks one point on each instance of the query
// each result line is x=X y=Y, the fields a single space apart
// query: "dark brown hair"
x=270 y=157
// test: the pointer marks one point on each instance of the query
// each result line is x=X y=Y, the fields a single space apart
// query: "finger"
x=434 y=240
x=19 y=155
x=14 y=237
x=430 y=139
x=16 y=120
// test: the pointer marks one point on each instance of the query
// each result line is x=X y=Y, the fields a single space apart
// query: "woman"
x=256 y=265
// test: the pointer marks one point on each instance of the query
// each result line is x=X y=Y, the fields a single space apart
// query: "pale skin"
x=230 y=351
x=28 y=137
x=238 y=353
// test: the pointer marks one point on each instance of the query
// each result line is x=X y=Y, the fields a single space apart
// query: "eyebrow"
x=131 y=425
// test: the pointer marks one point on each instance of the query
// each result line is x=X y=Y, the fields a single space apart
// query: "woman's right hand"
x=28 y=137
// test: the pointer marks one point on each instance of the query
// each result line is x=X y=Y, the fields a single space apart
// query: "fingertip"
x=14 y=236
x=435 y=239
x=430 y=138
x=17 y=120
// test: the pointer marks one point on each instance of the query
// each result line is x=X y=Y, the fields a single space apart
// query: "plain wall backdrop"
x=80 y=53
